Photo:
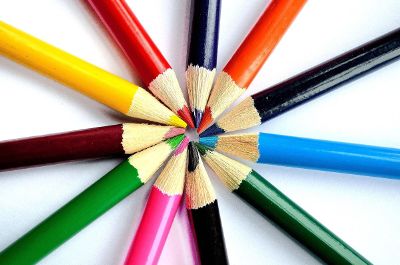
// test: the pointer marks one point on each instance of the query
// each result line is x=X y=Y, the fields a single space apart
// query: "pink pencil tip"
x=182 y=146
x=174 y=132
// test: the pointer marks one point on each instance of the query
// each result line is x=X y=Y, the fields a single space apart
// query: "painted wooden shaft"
x=261 y=41
x=203 y=46
x=105 y=87
x=154 y=228
x=132 y=38
x=206 y=223
x=82 y=144
x=274 y=205
x=73 y=216
x=329 y=155
x=327 y=76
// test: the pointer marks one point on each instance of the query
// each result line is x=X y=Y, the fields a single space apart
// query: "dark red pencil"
x=111 y=140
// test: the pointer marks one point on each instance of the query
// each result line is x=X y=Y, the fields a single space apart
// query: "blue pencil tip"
x=209 y=141
x=213 y=130
x=198 y=115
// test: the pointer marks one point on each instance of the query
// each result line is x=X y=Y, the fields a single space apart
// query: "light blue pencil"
x=310 y=153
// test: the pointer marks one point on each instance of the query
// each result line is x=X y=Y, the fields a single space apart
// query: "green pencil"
x=273 y=204
x=88 y=205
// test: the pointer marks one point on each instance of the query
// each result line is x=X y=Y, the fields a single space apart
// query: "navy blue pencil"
x=310 y=153
x=202 y=54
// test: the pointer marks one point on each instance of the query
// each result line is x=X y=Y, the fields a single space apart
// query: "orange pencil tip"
x=186 y=115
x=206 y=120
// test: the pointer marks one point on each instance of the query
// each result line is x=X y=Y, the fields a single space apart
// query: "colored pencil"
x=310 y=153
x=144 y=56
x=126 y=138
x=162 y=205
x=202 y=55
x=89 y=205
x=248 y=59
x=276 y=206
x=203 y=212
x=84 y=77
x=307 y=85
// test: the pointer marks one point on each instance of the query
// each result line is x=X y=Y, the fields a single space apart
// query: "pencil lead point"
x=197 y=114
x=174 y=132
x=213 y=130
x=210 y=142
x=186 y=116
x=182 y=146
x=175 y=141
x=174 y=120
x=206 y=120
x=202 y=148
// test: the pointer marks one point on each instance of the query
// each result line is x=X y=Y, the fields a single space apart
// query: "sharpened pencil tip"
x=174 y=120
x=209 y=141
x=206 y=120
x=182 y=146
x=201 y=148
x=174 y=132
x=186 y=116
x=175 y=141
x=213 y=130
x=198 y=115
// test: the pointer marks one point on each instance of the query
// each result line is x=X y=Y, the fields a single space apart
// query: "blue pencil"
x=202 y=54
x=310 y=153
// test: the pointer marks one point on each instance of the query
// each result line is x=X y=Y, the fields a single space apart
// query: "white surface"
x=364 y=211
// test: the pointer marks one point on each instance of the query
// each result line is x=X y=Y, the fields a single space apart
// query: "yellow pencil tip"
x=176 y=121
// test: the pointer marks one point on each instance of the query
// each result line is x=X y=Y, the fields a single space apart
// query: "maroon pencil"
x=97 y=142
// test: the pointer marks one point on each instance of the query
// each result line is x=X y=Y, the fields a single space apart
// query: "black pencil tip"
x=198 y=115
x=193 y=157
x=213 y=130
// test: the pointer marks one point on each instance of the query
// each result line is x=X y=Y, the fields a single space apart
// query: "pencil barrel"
x=82 y=144
x=154 y=228
x=206 y=224
x=131 y=37
x=329 y=155
x=327 y=76
x=274 y=205
x=203 y=47
x=73 y=217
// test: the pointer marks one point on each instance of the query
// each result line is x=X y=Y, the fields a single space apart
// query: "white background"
x=364 y=211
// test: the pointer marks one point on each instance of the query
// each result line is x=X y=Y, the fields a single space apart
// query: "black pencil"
x=202 y=54
x=203 y=212
x=306 y=86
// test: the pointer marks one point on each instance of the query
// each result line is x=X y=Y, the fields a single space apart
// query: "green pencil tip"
x=175 y=141
x=202 y=148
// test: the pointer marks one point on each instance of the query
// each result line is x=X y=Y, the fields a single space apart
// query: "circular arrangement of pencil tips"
x=184 y=174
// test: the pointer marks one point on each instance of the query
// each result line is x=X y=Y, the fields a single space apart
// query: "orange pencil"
x=250 y=56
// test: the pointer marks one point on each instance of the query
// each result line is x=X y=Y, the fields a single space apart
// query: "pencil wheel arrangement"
x=157 y=145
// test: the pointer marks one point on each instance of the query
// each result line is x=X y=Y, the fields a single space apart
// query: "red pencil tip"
x=206 y=120
x=186 y=115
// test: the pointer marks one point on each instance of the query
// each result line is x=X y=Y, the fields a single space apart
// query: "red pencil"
x=161 y=208
x=143 y=55
x=249 y=57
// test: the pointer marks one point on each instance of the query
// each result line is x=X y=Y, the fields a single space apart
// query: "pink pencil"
x=160 y=211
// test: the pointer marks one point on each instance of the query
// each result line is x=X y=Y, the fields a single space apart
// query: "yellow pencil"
x=84 y=77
